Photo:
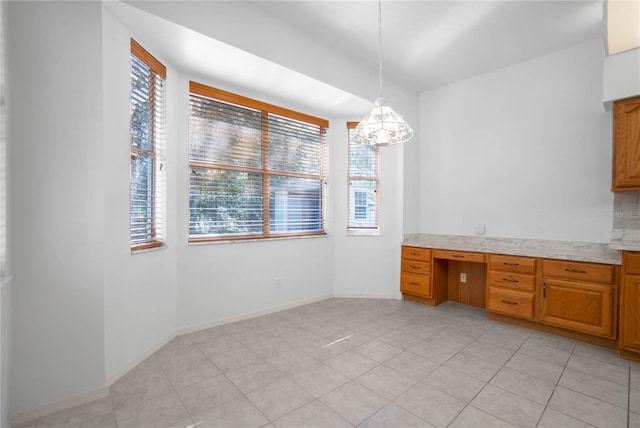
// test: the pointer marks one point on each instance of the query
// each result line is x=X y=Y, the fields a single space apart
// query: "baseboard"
x=249 y=315
x=57 y=406
x=114 y=377
x=393 y=296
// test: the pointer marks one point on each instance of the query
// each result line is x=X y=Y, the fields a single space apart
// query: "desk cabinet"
x=415 y=276
x=578 y=296
x=511 y=285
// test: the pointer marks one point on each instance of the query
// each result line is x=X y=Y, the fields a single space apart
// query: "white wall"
x=525 y=150
x=621 y=76
x=140 y=289
x=54 y=59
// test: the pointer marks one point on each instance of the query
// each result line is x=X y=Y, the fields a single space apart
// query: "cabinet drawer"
x=415 y=266
x=510 y=302
x=459 y=255
x=416 y=253
x=512 y=280
x=415 y=284
x=512 y=264
x=632 y=263
x=576 y=270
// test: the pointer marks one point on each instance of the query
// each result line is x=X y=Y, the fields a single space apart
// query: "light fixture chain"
x=380 y=47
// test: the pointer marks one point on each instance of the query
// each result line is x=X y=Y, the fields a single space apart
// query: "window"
x=257 y=170
x=147 y=192
x=363 y=187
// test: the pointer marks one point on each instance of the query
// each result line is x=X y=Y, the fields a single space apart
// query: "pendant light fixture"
x=381 y=126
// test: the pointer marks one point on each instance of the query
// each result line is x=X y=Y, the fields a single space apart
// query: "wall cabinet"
x=630 y=303
x=626 y=145
x=578 y=296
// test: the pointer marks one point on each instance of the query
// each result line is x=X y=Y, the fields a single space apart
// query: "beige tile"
x=524 y=385
x=534 y=367
x=164 y=410
x=254 y=376
x=459 y=385
x=354 y=402
x=300 y=337
x=509 y=407
x=400 y=339
x=489 y=352
x=434 y=406
x=545 y=353
x=271 y=347
x=205 y=395
x=314 y=414
x=394 y=416
x=386 y=382
x=351 y=364
x=252 y=335
x=293 y=362
x=634 y=400
x=468 y=363
x=504 y=336
x=234 y=359
x=472 y=417
x=207 y=334
x=600 y=369
x=279 y=398
x=319 y=380
x=604 y=355
x=587 y=409
x=433 y=351
x=411 y=365
x=634 y=420
x=595 y=387
x=323 y=349
x=218 y=344
x=239 y=412
x=451 y=338
x=104 y=421
x=191 y=372
x=552 y=419
x=78 y=415
x=377 y=350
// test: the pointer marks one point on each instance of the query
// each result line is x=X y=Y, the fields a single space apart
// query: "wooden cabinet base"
x=419 y=299
x=581 y=337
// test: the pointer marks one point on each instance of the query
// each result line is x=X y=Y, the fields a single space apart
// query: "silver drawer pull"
x=416 y=254
x=510 y=264
x=575 y=270
x=457 y=256
x=415 y=267
x=509 y=302
x=417 y=284
x=510 y=280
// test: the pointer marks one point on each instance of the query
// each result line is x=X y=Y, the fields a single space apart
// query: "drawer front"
x=579 y=271
x=512 y=280
x=416 y=253
x=415 y=284
x=632 y=263
x=510 y=302
x=459 y=255
x=512 y=264
x=415 y=266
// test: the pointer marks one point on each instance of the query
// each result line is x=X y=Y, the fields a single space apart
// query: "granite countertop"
x=562 y=250
x=625 y=239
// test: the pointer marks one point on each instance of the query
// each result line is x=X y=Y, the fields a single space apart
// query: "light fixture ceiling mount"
x=381 y=126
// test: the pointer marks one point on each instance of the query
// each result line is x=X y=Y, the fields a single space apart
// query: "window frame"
x=156 y=144
x=353 y=229
x=202 y=90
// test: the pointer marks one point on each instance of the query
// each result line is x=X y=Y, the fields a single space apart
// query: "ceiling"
x=427 y=44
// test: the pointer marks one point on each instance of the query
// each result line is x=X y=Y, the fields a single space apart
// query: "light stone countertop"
x=562 y=250
x=625 y=239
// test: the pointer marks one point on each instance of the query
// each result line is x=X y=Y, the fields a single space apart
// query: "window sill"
x=148 y=247
x=363 y=232
x=268 y=239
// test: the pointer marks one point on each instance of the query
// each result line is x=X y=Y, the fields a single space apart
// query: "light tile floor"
x=369 y=363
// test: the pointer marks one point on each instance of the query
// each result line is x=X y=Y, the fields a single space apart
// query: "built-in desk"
x=564 y=288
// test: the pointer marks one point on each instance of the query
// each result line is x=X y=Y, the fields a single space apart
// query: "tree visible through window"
x=363 y=186
x=257 y=170
x=147 y=191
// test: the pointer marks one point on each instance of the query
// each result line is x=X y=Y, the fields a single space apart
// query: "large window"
x=147 y=193
x=363 y=187
x=257 y=170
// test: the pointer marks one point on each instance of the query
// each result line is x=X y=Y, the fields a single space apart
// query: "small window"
x=147 y=190
x=363 y=187
x=257 y=170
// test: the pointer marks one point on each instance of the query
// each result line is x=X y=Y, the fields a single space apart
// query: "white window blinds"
x=363 y=186
x=148 y=179
x=257 y=170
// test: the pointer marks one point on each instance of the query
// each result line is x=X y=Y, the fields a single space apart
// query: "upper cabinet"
x=626 y=145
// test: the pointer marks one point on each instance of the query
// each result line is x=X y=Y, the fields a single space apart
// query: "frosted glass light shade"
x=382 y=127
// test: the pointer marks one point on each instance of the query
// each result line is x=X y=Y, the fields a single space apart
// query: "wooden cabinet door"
x=630 y=321
x=580 y=306
x=626 y=145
